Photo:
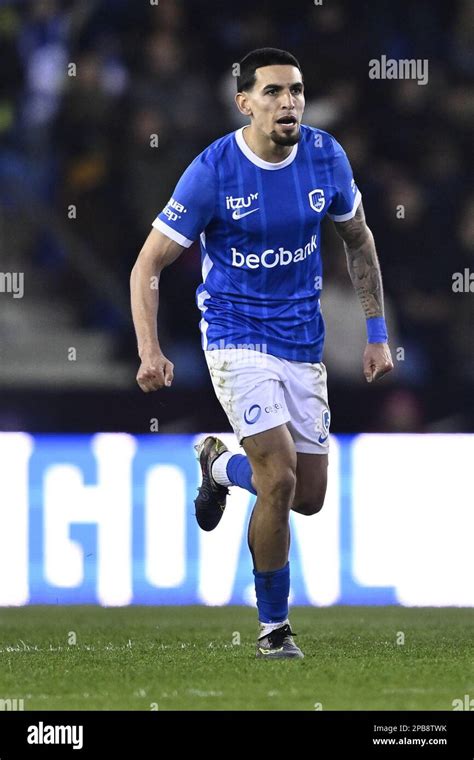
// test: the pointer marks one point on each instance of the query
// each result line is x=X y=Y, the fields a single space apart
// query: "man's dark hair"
x=262 y=57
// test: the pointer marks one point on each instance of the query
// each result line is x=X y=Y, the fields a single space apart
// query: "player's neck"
x=264 y=147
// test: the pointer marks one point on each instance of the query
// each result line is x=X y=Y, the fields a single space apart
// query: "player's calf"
x=311 y=483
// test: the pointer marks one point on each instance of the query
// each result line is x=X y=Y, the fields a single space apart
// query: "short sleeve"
x=345 y=202
x=192 y=204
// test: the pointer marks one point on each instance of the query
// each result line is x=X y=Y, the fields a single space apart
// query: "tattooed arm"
x=364 y=271
x=362 y=262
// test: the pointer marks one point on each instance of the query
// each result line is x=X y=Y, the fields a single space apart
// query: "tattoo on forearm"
x=362 y=263
x=365 y=274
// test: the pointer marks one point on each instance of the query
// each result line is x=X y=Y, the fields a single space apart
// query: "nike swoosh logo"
x=237 y=216
x=322 y=438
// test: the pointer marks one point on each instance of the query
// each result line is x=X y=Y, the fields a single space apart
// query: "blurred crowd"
x=86 y=86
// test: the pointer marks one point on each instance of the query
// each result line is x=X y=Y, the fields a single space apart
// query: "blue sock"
x=273 y=589
x=239 y=472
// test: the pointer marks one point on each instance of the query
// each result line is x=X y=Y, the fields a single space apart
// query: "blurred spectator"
x=401 y=412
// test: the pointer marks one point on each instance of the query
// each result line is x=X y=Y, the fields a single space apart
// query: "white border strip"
x=171 y=233
x=346 y=217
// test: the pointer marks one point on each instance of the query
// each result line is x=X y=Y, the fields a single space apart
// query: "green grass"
x=183 y=658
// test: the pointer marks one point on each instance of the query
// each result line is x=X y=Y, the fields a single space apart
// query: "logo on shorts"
x=273 y=408
x=251 y=415
x=325 y=420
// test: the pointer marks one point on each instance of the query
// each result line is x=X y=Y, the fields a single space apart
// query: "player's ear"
x=243 y=104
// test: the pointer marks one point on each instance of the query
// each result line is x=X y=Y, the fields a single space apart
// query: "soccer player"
x=256 y=199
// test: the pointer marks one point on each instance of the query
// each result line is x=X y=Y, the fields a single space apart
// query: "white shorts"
x=258 y=392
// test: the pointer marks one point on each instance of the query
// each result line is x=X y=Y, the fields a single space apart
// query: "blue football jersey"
x=259 y=229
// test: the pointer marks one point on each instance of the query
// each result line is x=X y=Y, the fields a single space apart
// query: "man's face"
x=276 y=103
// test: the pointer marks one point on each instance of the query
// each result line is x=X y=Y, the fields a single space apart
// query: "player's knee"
x=280 y=488
x=283 y=487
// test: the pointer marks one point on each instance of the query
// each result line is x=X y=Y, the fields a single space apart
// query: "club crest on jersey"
x=317 y=200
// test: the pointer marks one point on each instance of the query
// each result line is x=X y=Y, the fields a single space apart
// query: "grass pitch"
x=189 y=658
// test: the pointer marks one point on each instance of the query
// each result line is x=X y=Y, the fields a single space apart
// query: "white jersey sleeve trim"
x=171 y=233
x=350 y=214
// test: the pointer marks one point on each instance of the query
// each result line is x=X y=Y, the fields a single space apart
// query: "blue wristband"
x=376 y=330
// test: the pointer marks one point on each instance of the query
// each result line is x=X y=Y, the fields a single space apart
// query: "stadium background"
x=85 y=88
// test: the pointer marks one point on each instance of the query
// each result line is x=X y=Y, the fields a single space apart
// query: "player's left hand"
x=377 y=361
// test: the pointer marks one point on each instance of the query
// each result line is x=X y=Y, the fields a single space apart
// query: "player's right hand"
x=156 y=371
